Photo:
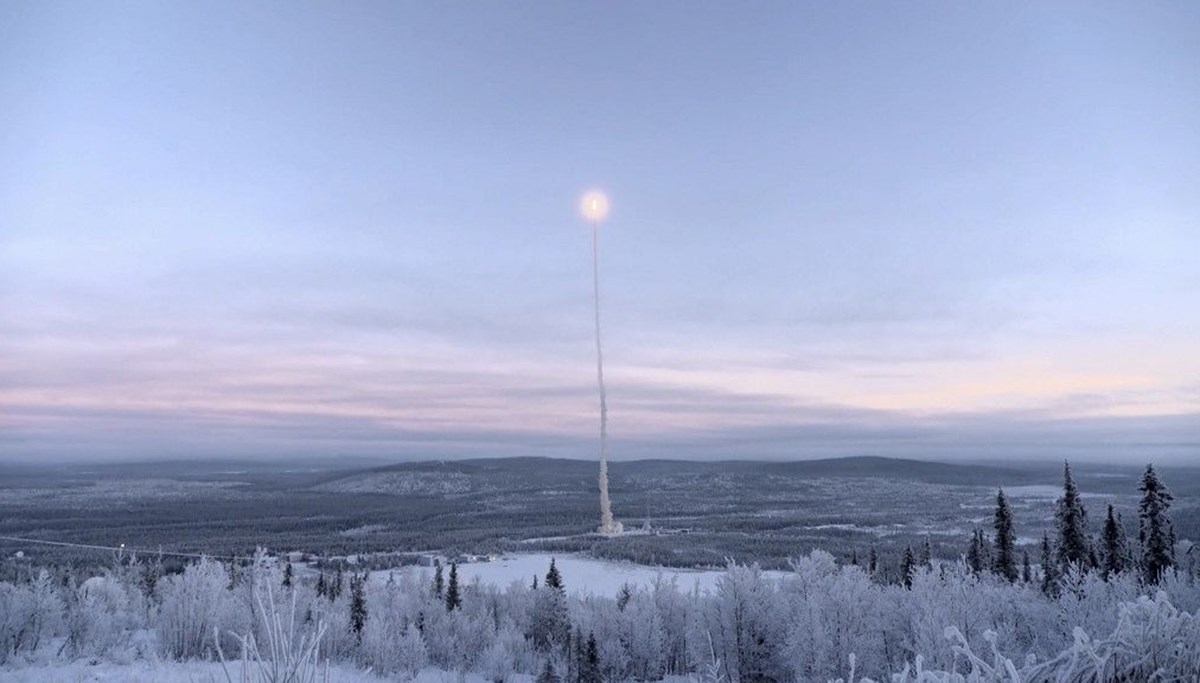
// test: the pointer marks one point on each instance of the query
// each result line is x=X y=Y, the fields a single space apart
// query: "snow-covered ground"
x=174 y=672
x=1045 y=492
x=582 y=575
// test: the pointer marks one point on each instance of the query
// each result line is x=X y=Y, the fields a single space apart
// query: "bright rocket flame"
x=594 y=205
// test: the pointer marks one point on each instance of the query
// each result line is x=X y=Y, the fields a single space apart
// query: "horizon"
x=938 y=233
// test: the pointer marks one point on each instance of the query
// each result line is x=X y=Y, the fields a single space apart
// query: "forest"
x=1091 y=606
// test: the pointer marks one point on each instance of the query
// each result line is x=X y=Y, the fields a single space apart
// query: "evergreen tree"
x=1026 y=569
x=547 y=675
x=287 y=574
x=623 y=596
x=975 y=560
x=1112 y=538
x=335 y=588
x=1155 y=531
x=872 y=561
x=575 y=664
x=854 y=557
x=453 y=599
x=358 y=605
x=150 y=575
x=1073 y=545
x=322 y=588
x=1049 y=568
x=535 y=582
x=553 y=578
x=589 y=670
x=438 y=581
x=908 y=565
x=927 y=553
x=1004 y=561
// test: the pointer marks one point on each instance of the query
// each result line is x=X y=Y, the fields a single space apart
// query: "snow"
x=582 y=575
x=1044 y=491
x=167 y=672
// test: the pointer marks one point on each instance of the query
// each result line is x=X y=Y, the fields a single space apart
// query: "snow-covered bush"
x=743 y=623
x=831 y=615
x=29 y=614
x=285 y=654
x=105 y=615
x=391 y=640
x=806 y=626
x=195 y=605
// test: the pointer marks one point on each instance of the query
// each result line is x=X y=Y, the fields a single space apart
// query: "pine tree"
x=1155 y=531
x=975 y=552
x=150 y=575
x=535 y=582
x=589 y=670
x=453 y=599
x=575 y=663
x=335 y=588
x=872 y=561
x=322 y=588
x=908 y=565
x=1004 y=562
x=553 y=578
x=1113 y=541
x=927 y=553
x=854 y=557
x=1049 y=568
x=438 y=581
x=1073 y=545
x=623 y=596
x=1026 y=569
x=358 y=605
x=547 y=675
x=287 y=574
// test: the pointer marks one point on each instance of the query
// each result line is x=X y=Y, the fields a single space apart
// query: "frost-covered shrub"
x=832 y=613
x=741 y=626
x=195 y=605
x=391 y=641
x=286 y=653
x=103 y=616
x=1153 y=640
x=808 y=625
x=29 y=614
x=509 y=653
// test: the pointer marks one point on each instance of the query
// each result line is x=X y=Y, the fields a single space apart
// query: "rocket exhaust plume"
x=594 y=207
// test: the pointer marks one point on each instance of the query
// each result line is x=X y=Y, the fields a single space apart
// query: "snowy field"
x=582 y=575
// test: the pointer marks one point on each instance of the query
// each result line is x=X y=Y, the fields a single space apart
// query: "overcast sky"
x=282 y=229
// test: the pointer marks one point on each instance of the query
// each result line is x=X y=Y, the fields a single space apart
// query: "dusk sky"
x=350 y=229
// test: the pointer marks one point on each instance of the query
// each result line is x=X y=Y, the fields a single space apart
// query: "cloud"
x=464 y=414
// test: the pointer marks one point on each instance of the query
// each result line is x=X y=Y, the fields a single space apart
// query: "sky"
x=282 y=230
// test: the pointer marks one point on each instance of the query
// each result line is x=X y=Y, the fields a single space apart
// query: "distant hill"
x=460 y=477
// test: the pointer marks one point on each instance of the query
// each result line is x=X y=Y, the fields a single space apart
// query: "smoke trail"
x=607 y=526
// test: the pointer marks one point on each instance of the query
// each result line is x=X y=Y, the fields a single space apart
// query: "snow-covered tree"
x=453 y=596
x=548 y=674
x=1074 y=547
x=1156 y=533
x=1004 y=559
x=358 y=605
x=908 y=565
x=1049 y=567
x=1113 y=544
